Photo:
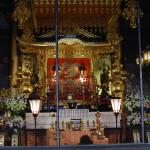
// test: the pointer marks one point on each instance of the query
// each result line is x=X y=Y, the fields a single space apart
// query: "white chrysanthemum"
x=16 y=103
x=133 y=103
x=15 y=122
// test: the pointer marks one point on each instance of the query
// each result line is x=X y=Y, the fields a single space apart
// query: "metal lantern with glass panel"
x=35 y=108
x=116 y=103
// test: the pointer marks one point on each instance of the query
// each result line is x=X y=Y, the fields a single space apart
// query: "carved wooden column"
x=118 y=74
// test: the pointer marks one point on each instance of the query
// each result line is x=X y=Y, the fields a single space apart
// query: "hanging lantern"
x=145 y=60
x=54 y=70
x=82 y=72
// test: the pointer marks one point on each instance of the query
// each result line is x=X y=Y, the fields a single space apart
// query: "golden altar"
x=86 y=33
x=75 y=123
x=89 y=49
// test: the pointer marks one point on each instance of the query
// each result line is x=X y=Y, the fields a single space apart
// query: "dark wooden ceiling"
x=75 y=12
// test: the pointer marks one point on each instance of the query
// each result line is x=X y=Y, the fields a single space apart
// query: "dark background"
x=130 y=36
x=5 y=41
x=129 y=42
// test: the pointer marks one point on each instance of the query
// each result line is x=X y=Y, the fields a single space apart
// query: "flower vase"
x=148 y=136
x=136 y=136
x=2 y=138
x=14 y=137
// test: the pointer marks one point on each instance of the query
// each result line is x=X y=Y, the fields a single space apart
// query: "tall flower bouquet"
x=133 y=104
x=14 y=110
x=16 y=104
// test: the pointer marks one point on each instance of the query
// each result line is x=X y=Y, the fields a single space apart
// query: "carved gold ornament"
x=21 y=13
x=130 y=13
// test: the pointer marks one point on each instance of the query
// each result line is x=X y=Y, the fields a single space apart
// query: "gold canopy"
x=75 y=12
x=72 y=13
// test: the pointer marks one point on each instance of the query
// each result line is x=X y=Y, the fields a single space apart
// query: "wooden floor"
x=86 y=147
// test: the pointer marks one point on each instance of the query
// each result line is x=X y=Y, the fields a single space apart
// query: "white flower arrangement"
x=133 y=104
x=132 y=101
x=15 y=122
x=16 y=103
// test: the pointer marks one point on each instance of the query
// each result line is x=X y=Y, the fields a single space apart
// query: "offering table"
x=73 y=137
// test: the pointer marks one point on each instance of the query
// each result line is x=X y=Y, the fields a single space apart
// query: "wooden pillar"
x=14 y=58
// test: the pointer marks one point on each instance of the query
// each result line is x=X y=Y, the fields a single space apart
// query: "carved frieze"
x=23 y=16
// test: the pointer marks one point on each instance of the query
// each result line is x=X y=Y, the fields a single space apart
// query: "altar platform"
x=73 y=123
x=46 y=119
x=85 y=147
x=67 y=137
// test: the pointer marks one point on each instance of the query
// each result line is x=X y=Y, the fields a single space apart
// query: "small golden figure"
x=87 y=124
x=71 y=125
x=67 y=125
x=81 y=125
x=98 y=123
x=93 y=123
x=52 y=124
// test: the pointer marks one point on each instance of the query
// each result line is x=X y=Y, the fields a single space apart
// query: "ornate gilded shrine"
x=87 y=36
